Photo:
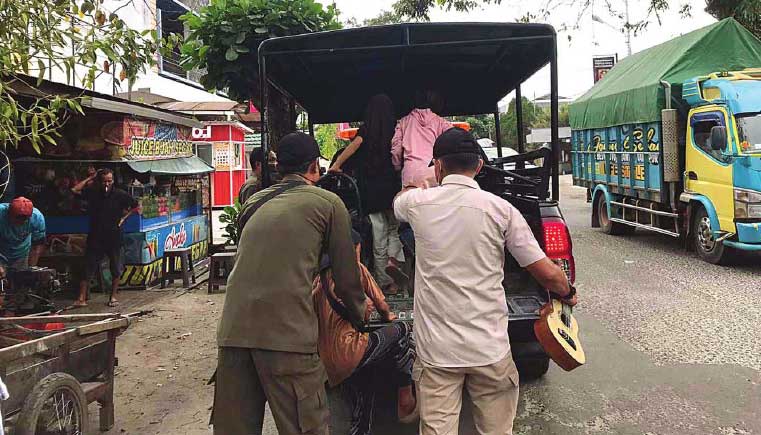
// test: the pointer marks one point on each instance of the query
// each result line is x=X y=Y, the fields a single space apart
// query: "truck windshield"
x=749 y=130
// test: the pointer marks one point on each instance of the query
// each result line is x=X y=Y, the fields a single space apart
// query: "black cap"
x=455 y=141
x=296 y=149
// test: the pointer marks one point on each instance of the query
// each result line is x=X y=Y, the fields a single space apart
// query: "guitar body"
x=558 y=333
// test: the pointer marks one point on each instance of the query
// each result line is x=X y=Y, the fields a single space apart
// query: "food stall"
x=222 y=145
x=152 y=159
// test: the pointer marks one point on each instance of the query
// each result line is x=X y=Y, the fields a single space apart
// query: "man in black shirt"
x=109 y=207
x=254 y=183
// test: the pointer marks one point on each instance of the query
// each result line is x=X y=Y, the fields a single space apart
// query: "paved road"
x=673 y=343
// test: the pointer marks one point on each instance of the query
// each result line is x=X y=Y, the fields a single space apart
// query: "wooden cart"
x=53 y=377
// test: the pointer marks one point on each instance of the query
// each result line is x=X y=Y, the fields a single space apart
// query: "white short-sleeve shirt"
x=461 y=233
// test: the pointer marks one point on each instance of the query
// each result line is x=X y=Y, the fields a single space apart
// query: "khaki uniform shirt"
x=249 y=188
x=268 y=302
x=461 y=233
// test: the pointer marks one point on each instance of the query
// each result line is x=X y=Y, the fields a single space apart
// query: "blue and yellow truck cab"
x=670 y=141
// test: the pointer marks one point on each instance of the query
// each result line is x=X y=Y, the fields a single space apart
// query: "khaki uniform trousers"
x=493 y=390
x=292 y=383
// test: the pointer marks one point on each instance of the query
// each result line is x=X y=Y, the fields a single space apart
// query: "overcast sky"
x=575 y=56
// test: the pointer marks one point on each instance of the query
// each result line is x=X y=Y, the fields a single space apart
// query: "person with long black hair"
x=378 y=183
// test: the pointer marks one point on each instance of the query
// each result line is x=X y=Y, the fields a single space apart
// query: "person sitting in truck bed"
x=355 y=358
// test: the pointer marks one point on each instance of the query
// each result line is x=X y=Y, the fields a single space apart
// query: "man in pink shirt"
x=412 y=144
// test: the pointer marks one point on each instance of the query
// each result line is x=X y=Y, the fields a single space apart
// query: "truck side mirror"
x=718 y=137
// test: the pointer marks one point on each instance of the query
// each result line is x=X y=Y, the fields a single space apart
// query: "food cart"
x=154 y=161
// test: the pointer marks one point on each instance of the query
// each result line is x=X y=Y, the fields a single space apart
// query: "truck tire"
x=57 y=399
x=532 y=368
x=606 y=225
x=706 y=246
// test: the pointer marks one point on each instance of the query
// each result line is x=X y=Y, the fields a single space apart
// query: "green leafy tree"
x=482 y=126
x=420 y=10
x=508 y=122
x=543 y=119
x=747 y=12
x=80 y=39
x=224 y=38
x=385 y=17
x=326 y=136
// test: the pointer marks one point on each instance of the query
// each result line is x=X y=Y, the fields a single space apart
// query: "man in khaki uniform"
x=267 y=336
x=461 y=233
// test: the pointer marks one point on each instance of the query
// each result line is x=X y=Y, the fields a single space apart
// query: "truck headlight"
x=747 y=204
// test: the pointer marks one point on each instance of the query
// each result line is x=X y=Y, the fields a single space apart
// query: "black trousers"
x=390 y=349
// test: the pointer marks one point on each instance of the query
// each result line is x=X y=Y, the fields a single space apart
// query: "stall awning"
x=180 y=166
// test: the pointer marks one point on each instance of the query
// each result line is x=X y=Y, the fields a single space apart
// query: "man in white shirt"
x=461 y=233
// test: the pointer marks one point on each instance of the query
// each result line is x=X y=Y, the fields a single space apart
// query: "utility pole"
x=628 y=30
x=627 y=26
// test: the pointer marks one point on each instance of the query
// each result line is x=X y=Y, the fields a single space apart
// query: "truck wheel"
x=532 y=368
x=608 y=226
x=707 y=247
x=56 y=405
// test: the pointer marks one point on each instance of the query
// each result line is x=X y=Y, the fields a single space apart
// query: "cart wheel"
x=56 y=406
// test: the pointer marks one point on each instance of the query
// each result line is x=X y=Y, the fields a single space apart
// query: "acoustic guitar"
x=558 y=333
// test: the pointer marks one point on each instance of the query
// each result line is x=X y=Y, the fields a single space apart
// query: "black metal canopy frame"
x=471 y=65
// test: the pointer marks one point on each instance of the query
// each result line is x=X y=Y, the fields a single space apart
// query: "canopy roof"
x=632 y=93
x=473 y=65
x=179 y=166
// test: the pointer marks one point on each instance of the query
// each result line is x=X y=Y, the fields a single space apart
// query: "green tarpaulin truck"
x=670 y=141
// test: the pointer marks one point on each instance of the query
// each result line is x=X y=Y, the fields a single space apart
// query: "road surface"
x=672 y=343
x=673 y=347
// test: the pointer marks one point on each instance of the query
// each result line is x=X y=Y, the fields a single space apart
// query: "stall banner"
x=147 y=148
x=147 y=139
x=143 y=252
x=147 y=247
x=141 y=275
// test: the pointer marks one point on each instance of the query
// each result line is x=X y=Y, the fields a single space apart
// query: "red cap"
x=21 y=208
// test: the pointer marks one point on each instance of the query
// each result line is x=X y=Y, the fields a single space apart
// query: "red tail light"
x=558 y=246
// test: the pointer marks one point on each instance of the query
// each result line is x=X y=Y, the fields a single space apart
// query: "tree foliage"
x=326 y=136
x=747 y=12
x=508 y=122
x=43 y=37
x=482 y=126
x=224 y=38
x=420 y=10
x=385 y=17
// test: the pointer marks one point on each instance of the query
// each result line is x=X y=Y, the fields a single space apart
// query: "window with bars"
x=168 y=21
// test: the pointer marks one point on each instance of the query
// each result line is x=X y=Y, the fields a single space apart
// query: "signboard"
x=146 y=148
x=202 y=133
x=601 y=65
